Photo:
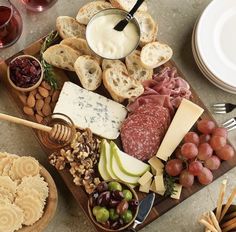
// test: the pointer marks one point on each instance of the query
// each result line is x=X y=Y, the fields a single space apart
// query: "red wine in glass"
x=10 y=24
x=38 y=5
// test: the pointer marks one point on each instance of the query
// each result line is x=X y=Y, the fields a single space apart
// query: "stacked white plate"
x=214 y=44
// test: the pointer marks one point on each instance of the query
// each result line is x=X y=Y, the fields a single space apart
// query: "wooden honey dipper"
x=58 y=132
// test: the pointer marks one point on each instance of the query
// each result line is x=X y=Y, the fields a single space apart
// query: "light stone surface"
x=176 y=19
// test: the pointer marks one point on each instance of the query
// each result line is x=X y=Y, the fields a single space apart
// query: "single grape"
x=191 y=137
x=186 y=178
x=226 y=152
x=189 y=150
x=205 y=151
x=195 y=167
x=217 y=142
x=204 y=138
x=220 y=131
x=213 y=163
x=205 y=177
x=174 y=167
x=206 y=126
x=178 y=154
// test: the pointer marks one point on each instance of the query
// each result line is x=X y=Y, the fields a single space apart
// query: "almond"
x=55 y=96
x=47 y=99
x=22 y=98
x=33 y=92
x=38 y=96
x=28 y=110
x=39 y=112
x=46 y=85
x=43 y=92
x=46 y=110
x=31 y=101
x=39 y=118
x=39 y=104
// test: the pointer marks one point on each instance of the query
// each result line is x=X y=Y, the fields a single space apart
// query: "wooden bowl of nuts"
x=113 y=206
x=25 y=73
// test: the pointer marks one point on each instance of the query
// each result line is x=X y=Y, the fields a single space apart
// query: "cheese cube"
x=145 y=188
x=153 y=188
x=157 y=165
x=185 y=117
x=178 y=190
x=159 y=182
x=145 y=178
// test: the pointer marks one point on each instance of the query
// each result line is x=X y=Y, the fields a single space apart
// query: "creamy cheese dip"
x=105 y=41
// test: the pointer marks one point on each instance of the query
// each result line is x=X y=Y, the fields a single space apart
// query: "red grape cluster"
x=200 y=154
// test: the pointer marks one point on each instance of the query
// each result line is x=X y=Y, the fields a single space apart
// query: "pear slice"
x=102 y=163
x=128 y=164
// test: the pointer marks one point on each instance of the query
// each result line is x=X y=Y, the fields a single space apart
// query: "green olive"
x=95 y=209
x=113 y=185
x=102 y=215
x=113 y=215
x=127 y=194
x=127 y=216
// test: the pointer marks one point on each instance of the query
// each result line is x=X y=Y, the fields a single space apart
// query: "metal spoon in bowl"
x=124 y=22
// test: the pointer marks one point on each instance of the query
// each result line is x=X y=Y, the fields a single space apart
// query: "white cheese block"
x=185 y=117
x=145 y=188
x=145 y=178
x=153 y=189
x=91 y=110
x=157 y=165
x=159 y=182
x=177 y=191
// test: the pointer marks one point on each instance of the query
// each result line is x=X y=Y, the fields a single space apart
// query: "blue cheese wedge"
x=91 y=110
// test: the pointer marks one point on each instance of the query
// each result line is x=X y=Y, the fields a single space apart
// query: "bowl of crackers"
x=28 y=194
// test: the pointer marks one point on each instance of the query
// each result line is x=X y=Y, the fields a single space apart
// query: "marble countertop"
x=176 y=19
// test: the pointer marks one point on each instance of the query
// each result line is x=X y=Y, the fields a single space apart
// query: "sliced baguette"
x=81 y=46
x=128 y=4
x=61 y=56
x=148 y=28
x=68 y=27
x=155 y=54
x=90 y=9
x=135 y=68
x=117 y=64
x=89 y=72
x=120 y=85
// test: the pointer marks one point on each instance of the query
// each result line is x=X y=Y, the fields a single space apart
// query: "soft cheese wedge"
x=185 y=117
x=128 y=164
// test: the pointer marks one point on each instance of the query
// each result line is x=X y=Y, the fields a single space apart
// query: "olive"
x=102 y=215
x=127 y=194
x=115 y=225
x=93 y=199
x=113 y=185
x=104 y=198
x=117 y=195
x=113 y=203
x=127 y=216
x=107 y=224
x=122 y=207
x=102 y=187
x=113 y=215
x=121 y=222
x=95 y=210
x=133 y=204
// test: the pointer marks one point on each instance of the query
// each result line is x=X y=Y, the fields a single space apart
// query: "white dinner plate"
x=216 y=40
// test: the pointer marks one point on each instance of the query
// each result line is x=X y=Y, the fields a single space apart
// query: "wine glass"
x=38 y=5
x=10 y=24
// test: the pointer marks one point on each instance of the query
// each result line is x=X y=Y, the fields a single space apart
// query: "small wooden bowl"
x=127 y=225
x=31 y=87
x=50 y=207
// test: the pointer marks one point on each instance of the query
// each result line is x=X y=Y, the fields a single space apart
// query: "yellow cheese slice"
x=145 y=188
x=159 y=182
x=145 y=178
x=177 y=191
x=185 y=117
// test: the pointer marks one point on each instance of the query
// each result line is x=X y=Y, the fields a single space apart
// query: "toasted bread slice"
x=148 y=28
x=81 y=46
x=120 y=85
x=90 y=9
x=135 y=68
x=117 y=64
x=128 y=4
x=68 y=27
x=89 y=72
x=61 y=56
x=155 y=54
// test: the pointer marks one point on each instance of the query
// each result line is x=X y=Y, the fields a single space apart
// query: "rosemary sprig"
x=49 y=74
x=169 y=182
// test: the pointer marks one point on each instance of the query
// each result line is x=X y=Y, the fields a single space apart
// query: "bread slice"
x=155 y=54
x=68 y=27
x=148 y=28
x=117 y=64
x=120 y=85
x=89 y=72
x=81 y=46
x=135 y=68
x=61 y=56
x=128 y=4
x=90 y=9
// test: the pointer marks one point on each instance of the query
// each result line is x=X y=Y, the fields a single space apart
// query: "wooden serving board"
x=162 y=204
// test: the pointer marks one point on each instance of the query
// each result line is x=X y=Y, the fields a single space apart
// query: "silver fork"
x=223 y=108
x=230 y=124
